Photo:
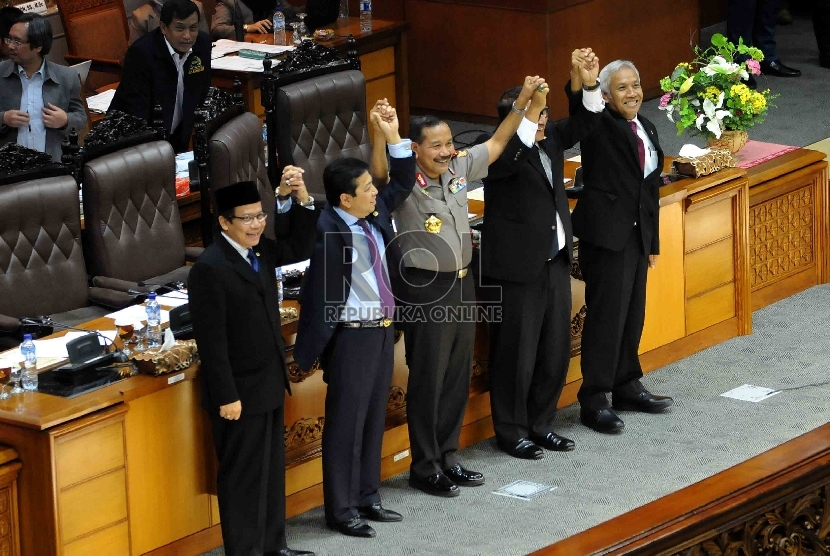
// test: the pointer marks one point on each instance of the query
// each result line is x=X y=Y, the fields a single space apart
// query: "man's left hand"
x=652 y=261
x=54 y=117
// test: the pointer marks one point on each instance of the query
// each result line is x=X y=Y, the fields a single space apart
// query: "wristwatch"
x=520 y=112
x=593 y=87
x=245 y=27
x=308 y=202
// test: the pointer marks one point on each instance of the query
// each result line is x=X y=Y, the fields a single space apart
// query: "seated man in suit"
x=170 y=66
x=236 y=323
x=347 y=310
x=526 y=251
x=146 y=18
x=8 y=17
x=617 y=222
x=254 y=16
x=40 y=101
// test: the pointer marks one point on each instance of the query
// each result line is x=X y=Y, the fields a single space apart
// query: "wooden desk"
x=383 y=58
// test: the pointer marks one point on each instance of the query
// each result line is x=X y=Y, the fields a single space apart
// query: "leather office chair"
x=320 y=119
x=134 y=237
x=42 y=269
x=96 y=30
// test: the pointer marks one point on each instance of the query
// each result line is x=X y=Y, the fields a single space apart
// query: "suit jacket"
x=150 y=76
x=61 y=87
x=519 y=209
x=236 y=319
x=616 y=195
x=327 y=282
x=147 y=17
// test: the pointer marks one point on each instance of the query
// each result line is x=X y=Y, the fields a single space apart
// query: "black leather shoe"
x=436 y=485
x=778 y=69
x=355 y=527
x=464 y=477
x=289 y=552
x=376 y=512
x=601 y=420
x=645 y=401
x=523 y=449
x=554 y=442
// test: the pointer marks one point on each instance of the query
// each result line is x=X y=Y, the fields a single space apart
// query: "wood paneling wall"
x=463 y=56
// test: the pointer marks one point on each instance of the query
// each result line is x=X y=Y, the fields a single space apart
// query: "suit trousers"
x=439 y=352
x=358 y=367
x=754 y=22
x=250 y=482
x=615 y=296
x=530 y=348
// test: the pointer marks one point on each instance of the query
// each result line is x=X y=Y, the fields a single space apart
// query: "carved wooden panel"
x=6 y=524
x=799 y=526
x=304 y=431
x=781 y=239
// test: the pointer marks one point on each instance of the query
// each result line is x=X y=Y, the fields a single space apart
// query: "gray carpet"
x=606 y=476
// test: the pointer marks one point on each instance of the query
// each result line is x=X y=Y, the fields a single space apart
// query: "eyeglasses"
x=14 y=41
x=248 y=219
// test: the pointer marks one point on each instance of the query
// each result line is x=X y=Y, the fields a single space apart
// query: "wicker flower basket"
x=731 y=141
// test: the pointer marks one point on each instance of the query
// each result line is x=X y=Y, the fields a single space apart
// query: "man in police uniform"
x=434 y=234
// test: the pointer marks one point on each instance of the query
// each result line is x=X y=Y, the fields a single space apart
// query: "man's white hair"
x=611 y=69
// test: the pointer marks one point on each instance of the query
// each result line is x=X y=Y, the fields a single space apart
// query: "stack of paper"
x=237 y=63
x=100 y=103
x=224 y=47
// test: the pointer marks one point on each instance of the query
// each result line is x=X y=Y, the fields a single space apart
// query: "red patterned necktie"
x=641 y=147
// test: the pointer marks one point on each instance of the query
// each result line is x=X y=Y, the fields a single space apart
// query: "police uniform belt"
x=379 y=323
x=454 y=275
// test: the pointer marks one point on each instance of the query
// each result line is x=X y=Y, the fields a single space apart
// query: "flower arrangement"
x=709 y=95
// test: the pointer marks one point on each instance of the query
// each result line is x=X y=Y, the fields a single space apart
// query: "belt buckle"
x=462 y=273
x=386 y=322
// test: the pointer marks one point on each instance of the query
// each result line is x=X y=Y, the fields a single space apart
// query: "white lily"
x=720 y=65
x=712 y=112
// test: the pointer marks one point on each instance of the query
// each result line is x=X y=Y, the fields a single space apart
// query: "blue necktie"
x=253 y=259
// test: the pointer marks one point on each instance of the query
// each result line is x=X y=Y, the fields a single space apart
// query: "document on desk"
x=137 y=313
x=100 y=103
x=223 y=47
x=476 y=194
x=237 y=63
x=173 y=299
x=55 y=348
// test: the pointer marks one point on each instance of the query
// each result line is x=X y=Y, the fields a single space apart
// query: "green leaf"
x=719 y=40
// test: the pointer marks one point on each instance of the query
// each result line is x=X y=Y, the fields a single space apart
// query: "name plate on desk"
x=35 y=6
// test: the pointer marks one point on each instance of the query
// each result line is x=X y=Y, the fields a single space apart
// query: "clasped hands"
x=384 y=120
x=291 y=183
x=584 y=67
x=53 y=117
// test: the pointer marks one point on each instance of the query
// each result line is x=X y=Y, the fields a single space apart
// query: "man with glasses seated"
x=169 y=66
x=40 y=101
x=236 y=322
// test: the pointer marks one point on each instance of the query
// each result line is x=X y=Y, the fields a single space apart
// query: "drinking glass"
x=5 y=376
x=295 y=34
x=302 y=30
x=16 y=377
x=125 y=332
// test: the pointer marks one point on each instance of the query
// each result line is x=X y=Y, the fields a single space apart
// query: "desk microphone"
x=79 y=350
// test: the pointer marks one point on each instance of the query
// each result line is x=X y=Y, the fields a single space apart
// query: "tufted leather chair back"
x=321 y=119
x=133 y=227
x=41 y=260
x=237 y=154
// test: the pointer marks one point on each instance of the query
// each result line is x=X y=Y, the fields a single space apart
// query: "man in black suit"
x=617 y=222
x=346 y=317
x=169 y=66
x=236 y=323
x=526 y=250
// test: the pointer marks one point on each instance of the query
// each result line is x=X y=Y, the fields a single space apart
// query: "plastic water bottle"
x=365 y=16
x=265 y=133
x=279 y=27
x=279 y=285
x=153 y=321
x=27 y=350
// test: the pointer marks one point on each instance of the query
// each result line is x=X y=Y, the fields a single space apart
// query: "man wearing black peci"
x=236 y=323
x=617 y=222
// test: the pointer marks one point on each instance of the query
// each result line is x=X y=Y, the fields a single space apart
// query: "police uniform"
x=434 y=235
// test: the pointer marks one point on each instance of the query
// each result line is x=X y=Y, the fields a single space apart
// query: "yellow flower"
x=712 y=93
x=687 y=85
x=741 y=91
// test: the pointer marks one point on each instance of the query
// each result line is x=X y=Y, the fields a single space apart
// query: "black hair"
x=417 y=125
x=179 y=9
x=39 y=33
x=340 y=176
x=506 y=101
x=8 y=17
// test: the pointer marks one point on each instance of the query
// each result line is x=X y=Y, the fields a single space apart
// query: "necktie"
x=387 y=301
x=641 y=147
x=253 y=259
x=179 y=60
